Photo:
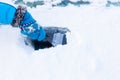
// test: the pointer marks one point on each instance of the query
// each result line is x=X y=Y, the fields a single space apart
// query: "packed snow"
x=92 y=52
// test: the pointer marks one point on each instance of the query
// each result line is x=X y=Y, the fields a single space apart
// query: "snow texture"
x=92 y=52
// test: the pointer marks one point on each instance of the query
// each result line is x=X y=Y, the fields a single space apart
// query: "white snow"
x=92 y=52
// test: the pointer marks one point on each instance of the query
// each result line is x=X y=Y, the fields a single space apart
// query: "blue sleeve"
x=7 y=13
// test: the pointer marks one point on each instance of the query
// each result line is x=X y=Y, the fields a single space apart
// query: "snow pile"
x=92 y=52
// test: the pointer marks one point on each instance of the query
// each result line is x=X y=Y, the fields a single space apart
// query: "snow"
x=92 y=52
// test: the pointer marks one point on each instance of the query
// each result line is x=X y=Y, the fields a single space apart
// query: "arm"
x=28 y=24
x=7 y=13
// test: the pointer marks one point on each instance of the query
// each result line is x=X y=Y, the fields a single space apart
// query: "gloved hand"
x=34 y=32
x=30 y=27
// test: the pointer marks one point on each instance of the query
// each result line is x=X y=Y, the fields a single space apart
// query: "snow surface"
x=92 y=53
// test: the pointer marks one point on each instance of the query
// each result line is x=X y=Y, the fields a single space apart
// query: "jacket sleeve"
x=7 y=13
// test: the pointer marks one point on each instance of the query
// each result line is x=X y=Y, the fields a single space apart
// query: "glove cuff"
x=20 y=12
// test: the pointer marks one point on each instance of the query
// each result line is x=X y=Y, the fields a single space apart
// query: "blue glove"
x=30 y=28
